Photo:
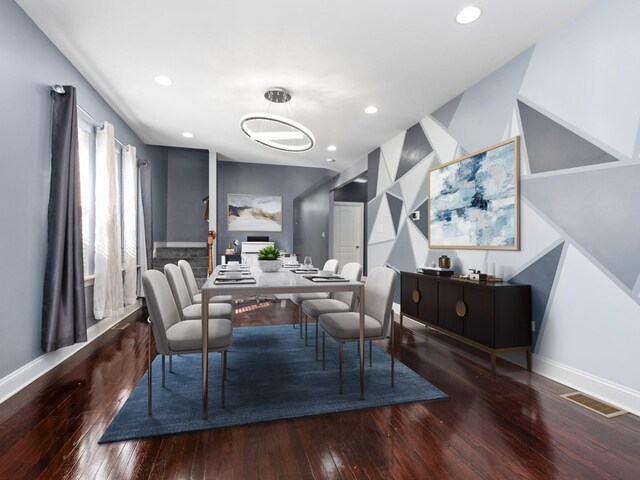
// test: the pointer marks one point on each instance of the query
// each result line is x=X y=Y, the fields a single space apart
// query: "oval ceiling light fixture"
x=371 y=109
x=468 y=15
x=331 y=159
x=275 y=131
x=163 y=80
x=332 y=148
x=187 y=134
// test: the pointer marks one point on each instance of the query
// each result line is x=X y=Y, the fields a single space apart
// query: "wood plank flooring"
x=513 y=425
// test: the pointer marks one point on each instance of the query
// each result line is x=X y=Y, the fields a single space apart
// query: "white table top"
x=282 y=281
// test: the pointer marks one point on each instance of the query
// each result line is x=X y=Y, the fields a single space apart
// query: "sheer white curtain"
x=107 y=288
x=142 y=240
x=129 y=221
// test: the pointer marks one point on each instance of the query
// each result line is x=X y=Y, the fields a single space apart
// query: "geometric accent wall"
x=578 y=195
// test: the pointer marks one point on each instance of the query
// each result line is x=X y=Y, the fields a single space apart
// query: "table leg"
x=361 y=341
x=205 y=352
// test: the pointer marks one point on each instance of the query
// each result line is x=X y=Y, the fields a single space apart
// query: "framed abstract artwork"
x=474 y=200
x=254 y=213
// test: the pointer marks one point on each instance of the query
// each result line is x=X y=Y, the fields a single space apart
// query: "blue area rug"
x=271 y=375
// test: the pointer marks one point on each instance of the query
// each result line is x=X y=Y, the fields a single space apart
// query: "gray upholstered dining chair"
x=297 y=298
x=378 y=321
x=184 y=301
x=173 y=336
x=192 y=285
x=341 y=301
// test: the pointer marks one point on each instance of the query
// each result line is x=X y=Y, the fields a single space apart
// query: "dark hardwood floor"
x=513 y=425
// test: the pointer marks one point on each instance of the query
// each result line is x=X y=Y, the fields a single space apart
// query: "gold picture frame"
x=474 y=201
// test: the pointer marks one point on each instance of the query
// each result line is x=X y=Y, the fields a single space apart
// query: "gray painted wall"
x=312 y=213
x=252 y=178
x=351 y=192
x=159 y=180
x=187 y=185
x=29 y=65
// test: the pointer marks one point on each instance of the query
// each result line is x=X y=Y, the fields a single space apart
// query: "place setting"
x=234 y=273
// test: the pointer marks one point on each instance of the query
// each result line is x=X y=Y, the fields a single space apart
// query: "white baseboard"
x=27 y=374
x=618 y=395
x=622 y=397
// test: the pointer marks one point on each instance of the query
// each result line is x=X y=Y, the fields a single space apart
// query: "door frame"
x=363 y=212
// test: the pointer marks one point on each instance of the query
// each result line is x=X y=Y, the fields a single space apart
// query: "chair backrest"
x=351 y=271
x=378 y=296
x=162 y=308
x=189 y=277
x=178 y=287
x=332 y=265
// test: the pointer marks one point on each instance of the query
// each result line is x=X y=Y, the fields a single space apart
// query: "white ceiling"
x=335 y=56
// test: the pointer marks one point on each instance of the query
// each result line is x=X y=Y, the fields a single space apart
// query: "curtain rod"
x=60 y=90
x=98 y=124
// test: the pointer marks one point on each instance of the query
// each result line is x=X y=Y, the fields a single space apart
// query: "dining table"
x=255 y=282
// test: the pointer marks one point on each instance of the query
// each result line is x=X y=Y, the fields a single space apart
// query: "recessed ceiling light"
x=360 y=180
x=371 y=110
x=331 y=159
x=468 y=15
x=163 y=80
x=332 y=148
x=187 y=134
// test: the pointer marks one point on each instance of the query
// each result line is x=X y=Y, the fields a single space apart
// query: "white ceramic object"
x=325 y=273
x=233 y=275
x=233 y=266
x=269 y=265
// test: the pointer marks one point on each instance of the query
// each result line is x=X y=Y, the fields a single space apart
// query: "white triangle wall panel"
x=383 y=229
x=443 y=143
x=392 y=150
x=419 y=245
x=378 y=254
x=415 y=179
x=536 y=236
x=384 y=180
x=587 y=316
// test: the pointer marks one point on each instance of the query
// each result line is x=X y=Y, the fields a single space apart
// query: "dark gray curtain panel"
x=145 y=188
x=64 y=320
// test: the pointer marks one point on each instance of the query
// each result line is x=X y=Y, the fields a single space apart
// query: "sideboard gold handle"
x=461 y=308
x=415 y=296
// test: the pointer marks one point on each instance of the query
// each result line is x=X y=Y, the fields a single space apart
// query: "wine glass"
x=307 y=262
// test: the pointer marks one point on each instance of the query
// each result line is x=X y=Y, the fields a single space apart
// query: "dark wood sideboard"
x=495 y=317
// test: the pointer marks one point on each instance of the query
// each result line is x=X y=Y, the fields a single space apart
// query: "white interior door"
x=348 y=225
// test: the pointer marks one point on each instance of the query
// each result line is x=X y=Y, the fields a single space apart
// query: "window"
x=87 y=154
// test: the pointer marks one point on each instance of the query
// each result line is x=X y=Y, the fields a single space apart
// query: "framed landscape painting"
x=474 y=200
x=254 y=213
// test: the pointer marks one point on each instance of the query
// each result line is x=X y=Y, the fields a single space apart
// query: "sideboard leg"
x=528 y=353
x=401 y=316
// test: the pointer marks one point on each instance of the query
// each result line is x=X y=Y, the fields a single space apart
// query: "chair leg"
x=323 y=344
x=223 y=369
x=163 y=370
x=149 y=402
x=224 y=372
x=300 y=319
x=170 y=363
x=340 y=356
x=317 y=326
x=370 y=352
x=306 y=327
x=393 y=357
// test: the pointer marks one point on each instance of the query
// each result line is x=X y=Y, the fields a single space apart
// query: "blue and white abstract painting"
x=473 y=201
